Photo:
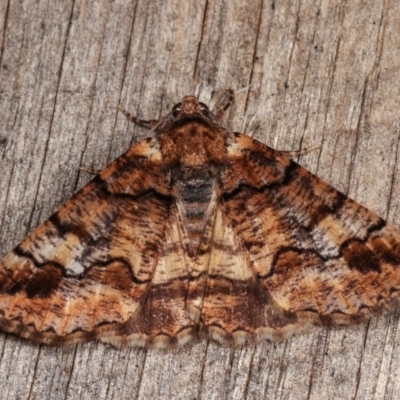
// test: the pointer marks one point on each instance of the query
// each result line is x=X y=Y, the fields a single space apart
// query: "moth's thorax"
x=194 y=142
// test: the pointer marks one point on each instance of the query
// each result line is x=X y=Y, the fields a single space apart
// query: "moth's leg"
x=295 y=153
x=146 y=124
x=227 y=99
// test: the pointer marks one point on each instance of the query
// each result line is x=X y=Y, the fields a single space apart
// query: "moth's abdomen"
x=195 y=188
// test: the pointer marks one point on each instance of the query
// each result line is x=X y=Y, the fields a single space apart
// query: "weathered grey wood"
x=321 y=73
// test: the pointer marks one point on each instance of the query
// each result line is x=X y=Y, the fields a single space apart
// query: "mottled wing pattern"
x=163 y=320
x=88 y=271
x=290 y=250
x=199 y=230
x=236 y=308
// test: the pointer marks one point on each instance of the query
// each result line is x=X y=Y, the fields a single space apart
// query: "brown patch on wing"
x=360 y=256
x=45 y=282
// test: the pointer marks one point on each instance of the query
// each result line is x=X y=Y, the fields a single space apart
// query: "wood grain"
x=321 y=73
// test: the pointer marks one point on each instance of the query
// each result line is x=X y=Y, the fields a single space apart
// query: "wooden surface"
x=321 y=73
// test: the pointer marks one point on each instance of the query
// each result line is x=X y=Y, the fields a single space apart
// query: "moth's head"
x=189 y=111
x=190 y=106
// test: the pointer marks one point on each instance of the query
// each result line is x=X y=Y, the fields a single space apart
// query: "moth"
x=199 y=231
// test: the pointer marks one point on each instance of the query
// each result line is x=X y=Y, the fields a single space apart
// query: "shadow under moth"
x=199 y=231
